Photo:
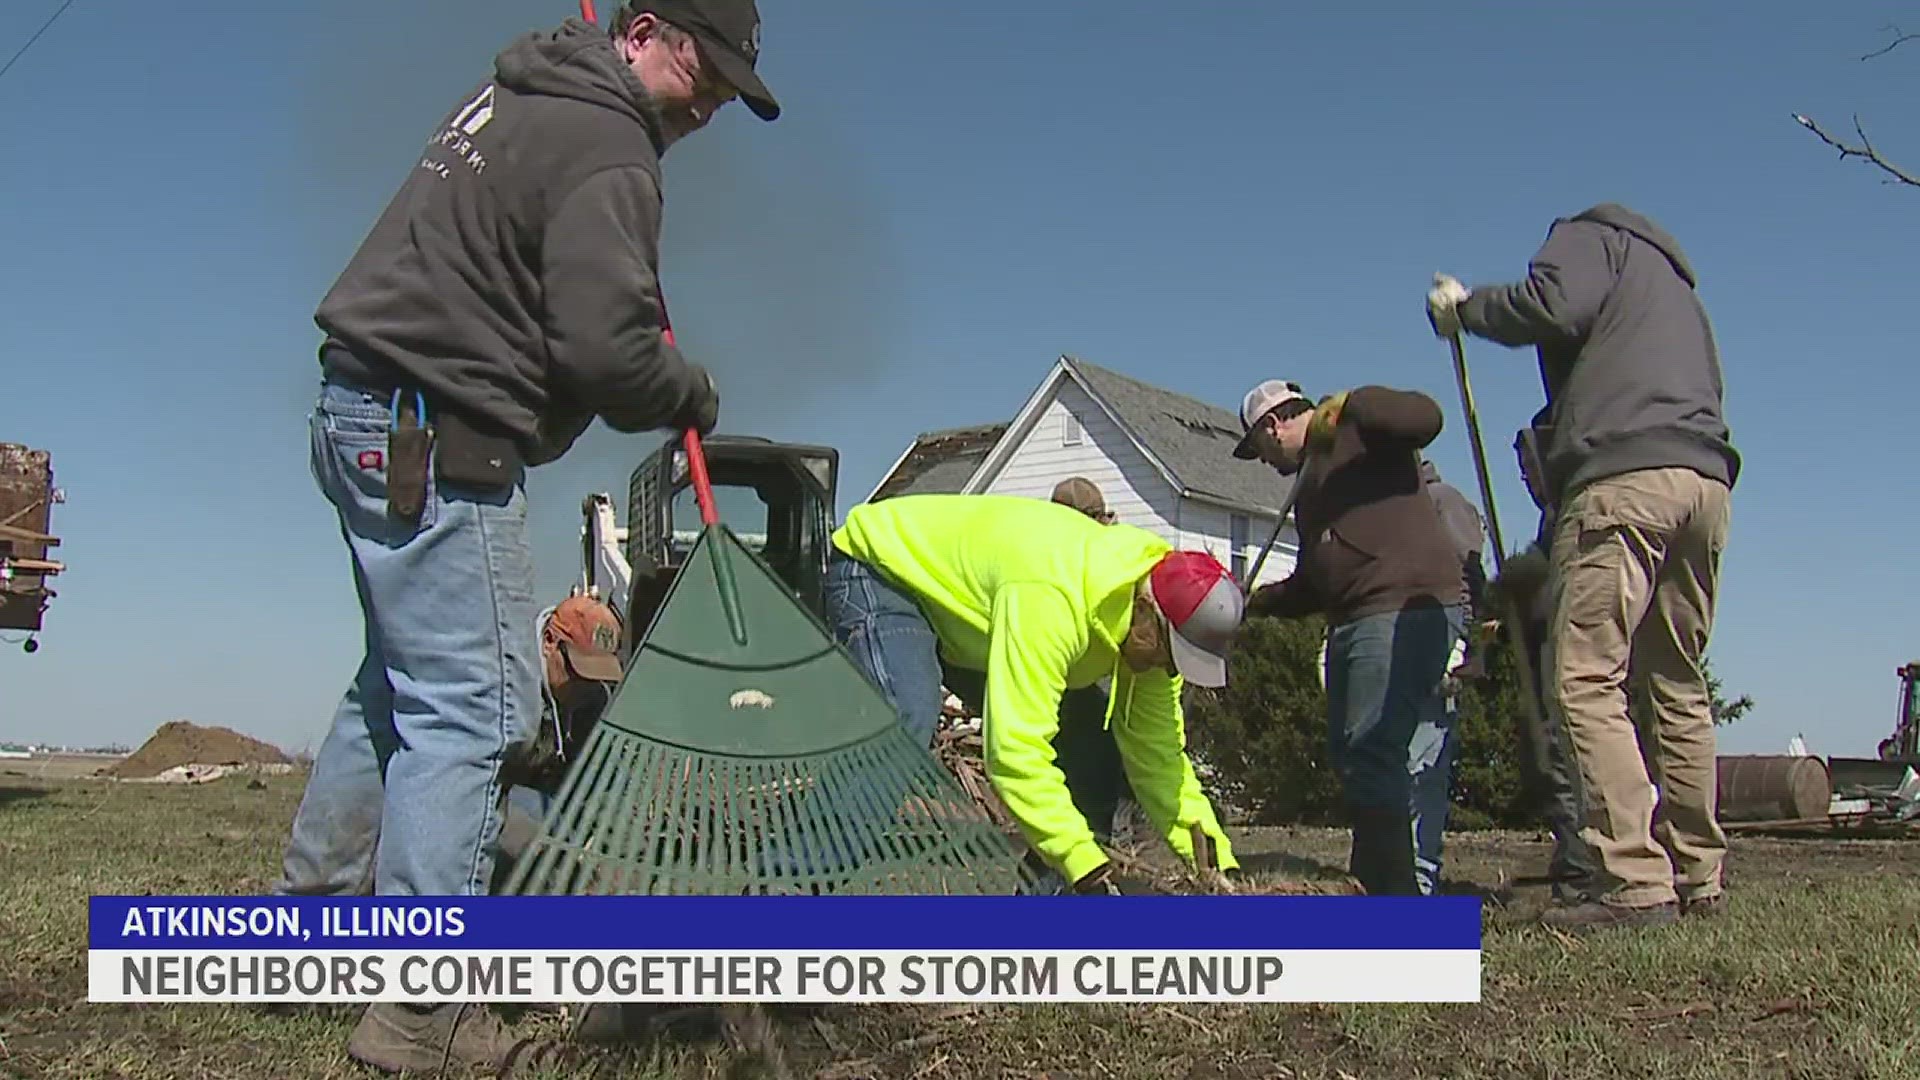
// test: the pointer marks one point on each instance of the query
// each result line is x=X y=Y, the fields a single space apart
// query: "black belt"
x=469 y=449
x=381 y=382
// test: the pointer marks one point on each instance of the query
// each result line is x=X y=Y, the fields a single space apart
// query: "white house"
x=1164 y=461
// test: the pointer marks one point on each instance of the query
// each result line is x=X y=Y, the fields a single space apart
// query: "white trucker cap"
x=1260 y=401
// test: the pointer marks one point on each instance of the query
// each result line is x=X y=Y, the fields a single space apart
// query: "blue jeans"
x=406 y=788
x=1390 y=733
x=890 y=641
x=894 y=646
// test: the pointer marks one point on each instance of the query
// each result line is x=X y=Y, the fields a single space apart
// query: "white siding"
x=1097 y=449
x=1209 y=528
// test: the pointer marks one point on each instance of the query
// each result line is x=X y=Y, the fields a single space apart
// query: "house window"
x=1238 y=545
x=1071 y=433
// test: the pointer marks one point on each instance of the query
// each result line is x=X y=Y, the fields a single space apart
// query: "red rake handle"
x=696 y=458
x=586 y=11
x=702 y=486
x=722 y=567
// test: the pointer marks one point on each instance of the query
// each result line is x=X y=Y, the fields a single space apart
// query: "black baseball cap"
x=729 y=34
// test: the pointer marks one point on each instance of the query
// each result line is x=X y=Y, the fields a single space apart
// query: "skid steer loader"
x=1897 y=754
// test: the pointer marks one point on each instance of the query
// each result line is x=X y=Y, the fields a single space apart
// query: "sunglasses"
x=708 y=83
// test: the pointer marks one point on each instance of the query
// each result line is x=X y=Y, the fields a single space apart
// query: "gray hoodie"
x=1465 y=527
x=513 y=277
x=1627 y=353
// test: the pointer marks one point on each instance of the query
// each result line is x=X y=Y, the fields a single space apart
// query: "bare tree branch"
x=1898 y=38
x=1864 y=151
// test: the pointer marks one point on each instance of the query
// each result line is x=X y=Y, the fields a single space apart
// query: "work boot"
x=1590 y=915
x=1565 y=897
x=1382 y=856
x=454 y=1036
x=1711 y=906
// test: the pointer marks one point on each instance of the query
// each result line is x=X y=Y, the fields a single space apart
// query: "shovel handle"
x=1479 y=449
x=1286 y=507
x=1529 y=685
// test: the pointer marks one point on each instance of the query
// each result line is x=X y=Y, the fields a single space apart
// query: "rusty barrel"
x=1772 y=787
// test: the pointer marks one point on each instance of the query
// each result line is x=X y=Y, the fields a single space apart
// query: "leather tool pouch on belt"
x=472 y=458
x=409 y=449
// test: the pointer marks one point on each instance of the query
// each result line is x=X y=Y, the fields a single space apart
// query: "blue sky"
x=1201 y=197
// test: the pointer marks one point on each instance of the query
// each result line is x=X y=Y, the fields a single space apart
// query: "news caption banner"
x=784 y=949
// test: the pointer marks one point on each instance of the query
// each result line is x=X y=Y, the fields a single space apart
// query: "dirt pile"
x=182 y=743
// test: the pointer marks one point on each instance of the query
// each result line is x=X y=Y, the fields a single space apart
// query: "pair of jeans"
x=1390 y=736
x=891 y=642
x=405 y=790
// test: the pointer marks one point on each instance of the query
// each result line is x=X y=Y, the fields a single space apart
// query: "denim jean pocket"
x=847 y=594
x=351 y=461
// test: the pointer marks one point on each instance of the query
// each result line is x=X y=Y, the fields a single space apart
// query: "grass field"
x=1815 y=972
x=53 y=766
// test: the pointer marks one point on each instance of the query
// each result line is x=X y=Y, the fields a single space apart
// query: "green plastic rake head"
x=744 y=753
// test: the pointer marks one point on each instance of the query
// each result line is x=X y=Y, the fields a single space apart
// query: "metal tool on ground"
x=1286 y=507
x=745 y=753
x=1516 y=621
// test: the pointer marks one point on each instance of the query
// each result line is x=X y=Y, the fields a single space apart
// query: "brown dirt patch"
x=182 y=743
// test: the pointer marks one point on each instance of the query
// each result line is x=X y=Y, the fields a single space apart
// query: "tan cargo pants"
x=1636 y=566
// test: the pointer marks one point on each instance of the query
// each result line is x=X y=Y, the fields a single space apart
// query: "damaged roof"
x=939 y=462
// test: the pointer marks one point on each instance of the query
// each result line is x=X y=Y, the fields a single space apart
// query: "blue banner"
x=766 y=923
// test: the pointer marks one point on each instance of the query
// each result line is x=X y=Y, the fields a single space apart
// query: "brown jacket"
x=1371 y=539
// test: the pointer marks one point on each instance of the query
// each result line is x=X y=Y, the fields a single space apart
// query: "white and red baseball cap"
x=1204 y=606
x=1260 y=401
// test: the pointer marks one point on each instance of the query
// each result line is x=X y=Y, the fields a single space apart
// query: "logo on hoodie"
x=455 y=141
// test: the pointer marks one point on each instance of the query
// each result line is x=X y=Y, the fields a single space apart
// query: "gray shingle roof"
x=1192 y=438
x=940 y=461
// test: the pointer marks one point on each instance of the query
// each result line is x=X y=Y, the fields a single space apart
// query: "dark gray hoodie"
x=1627 y=353
x=513 y=277
x=1465 y=527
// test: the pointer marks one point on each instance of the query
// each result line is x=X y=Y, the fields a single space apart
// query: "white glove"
x=1442 y=300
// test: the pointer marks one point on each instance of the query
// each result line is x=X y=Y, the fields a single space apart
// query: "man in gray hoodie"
x=1640 y=465
x=508 y=296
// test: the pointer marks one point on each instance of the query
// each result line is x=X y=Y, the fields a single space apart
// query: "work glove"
x=701 y=412
x=1443 y=302
x=1326 y=417
x=1097 y=882
x=1262 y=600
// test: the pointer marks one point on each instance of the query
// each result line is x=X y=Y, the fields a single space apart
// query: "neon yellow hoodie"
x=1039 y=597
